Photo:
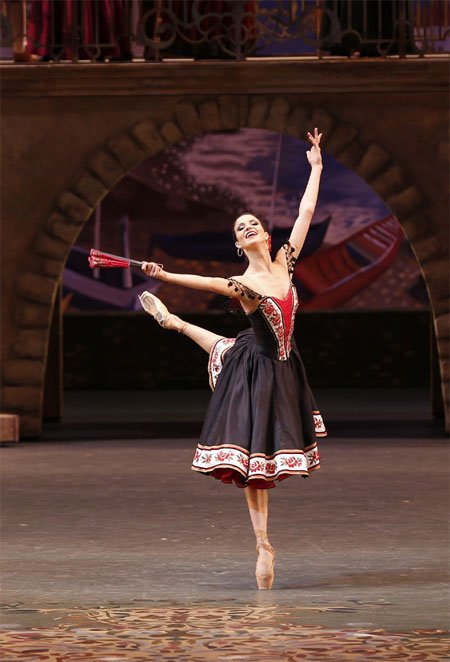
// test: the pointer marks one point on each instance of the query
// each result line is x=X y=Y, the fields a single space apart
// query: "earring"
x=240 y=252
x=269 y=243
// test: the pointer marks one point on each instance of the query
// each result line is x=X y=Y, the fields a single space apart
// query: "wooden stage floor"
x=113 y=549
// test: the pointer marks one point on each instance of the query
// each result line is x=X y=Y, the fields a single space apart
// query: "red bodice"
x=278 y=317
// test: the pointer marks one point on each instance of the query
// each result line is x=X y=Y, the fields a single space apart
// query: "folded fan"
x=99 y=259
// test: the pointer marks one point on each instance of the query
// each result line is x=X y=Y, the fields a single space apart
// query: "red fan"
x=99 y=259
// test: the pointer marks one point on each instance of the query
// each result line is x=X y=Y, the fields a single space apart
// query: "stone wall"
x=71 y=132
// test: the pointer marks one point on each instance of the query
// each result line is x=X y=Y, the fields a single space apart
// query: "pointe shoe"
x=265 y=575
x=155 y=307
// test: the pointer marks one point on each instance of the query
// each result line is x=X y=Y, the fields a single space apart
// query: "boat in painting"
x=333 y=275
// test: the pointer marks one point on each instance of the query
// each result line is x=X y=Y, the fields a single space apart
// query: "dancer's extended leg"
x=198 y=334
x=258 y=506
x=155 y=307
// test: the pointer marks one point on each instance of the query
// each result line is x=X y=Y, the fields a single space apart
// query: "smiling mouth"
x=250 y=233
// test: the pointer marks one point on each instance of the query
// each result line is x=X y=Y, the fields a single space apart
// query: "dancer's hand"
x=152 y=269
x=314 y=155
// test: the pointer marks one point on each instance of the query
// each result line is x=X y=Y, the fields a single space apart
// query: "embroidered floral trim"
x=280 y=316
x=292 y=323
x=216 y=357
x=207 y=459
x=272 y=313
x=319 y=425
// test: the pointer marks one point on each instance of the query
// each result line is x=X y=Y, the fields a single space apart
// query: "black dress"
x=262 y=423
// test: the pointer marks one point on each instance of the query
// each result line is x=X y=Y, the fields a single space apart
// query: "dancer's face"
x=249 y=231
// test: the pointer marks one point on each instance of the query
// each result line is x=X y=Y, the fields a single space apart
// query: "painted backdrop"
x=178 y=208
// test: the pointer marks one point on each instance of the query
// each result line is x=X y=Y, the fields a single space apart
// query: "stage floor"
x=114 y=549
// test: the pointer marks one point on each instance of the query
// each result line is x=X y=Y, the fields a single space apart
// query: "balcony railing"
x=153 y=30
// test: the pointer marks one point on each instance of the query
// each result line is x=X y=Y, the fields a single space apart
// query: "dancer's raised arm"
x=207 y=283
x=309 y=199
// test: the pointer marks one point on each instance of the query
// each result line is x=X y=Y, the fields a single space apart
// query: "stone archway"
x=24 y=370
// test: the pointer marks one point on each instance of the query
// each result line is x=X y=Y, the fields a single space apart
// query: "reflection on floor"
x=205 y=633
x=146 y=414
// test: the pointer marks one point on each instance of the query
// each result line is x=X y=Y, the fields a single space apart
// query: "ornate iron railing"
x=124 y=30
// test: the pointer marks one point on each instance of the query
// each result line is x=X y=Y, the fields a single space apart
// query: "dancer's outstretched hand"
x=152 y=269
x=314 y=155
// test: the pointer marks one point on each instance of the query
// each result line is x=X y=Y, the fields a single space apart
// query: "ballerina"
x=262 y=423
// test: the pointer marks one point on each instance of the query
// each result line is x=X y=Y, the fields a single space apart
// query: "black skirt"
x=262 y=423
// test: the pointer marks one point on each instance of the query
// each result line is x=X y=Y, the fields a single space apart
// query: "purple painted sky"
x=244 y=162
x=203 y=183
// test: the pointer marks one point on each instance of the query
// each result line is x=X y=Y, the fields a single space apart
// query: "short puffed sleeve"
x=289 y=251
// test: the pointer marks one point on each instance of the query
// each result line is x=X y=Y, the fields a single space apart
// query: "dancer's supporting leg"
x=258 y=506
x=257 y=499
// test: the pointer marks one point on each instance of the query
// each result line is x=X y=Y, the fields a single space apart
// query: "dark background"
x=339 y=348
